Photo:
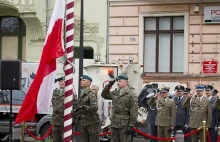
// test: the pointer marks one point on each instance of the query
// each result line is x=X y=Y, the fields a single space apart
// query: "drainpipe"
x=107 y=33
x=201 y=31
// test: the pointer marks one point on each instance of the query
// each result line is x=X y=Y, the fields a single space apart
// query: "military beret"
x=200 y=87
x=122 y=77
x=187 y=90
x=155 y=85
x=86 y=77
x=215 y=92
x=165 y=89
x=179 y=88
x=59 y=79
x=208 y=87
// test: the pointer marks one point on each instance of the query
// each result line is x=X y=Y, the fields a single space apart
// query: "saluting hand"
x=172 y=128
x=192 y=93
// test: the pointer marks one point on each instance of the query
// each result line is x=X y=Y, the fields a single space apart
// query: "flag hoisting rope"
x=69 y=70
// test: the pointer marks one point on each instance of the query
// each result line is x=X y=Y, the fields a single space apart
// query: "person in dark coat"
x=181 y=113
x=212 y=99
x=151 y=117
x=188 y=130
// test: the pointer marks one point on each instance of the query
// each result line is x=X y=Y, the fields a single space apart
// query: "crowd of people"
x=184 y=110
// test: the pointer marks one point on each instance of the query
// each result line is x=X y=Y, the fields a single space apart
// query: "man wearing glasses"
x=200 y=110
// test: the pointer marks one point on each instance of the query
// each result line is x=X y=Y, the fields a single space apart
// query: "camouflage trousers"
x=119 y=134
x=57 y=133
x=90 y=133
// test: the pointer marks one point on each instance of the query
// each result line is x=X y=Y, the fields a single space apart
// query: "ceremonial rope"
x=208 y=135
x=135 y=129
x=42 y=138
x=218 y=138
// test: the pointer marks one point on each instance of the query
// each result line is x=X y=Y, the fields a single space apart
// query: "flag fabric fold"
x=39 y=95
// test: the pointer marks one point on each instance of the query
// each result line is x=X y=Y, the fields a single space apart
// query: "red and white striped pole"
x=69 y=70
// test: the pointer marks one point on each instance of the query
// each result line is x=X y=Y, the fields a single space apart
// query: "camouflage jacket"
x=58 y=108
x=125 y=107
x=89 y=114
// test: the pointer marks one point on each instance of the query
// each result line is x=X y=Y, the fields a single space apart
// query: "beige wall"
x=34 y=15
x=126 y=38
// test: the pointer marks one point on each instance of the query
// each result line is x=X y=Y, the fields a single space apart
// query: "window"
x=12 y=38
x=164 y=44
x=88 y=52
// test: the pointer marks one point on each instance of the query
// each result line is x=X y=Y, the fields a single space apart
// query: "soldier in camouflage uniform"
x=89 y=119
x=124 y=111
x=58 y=111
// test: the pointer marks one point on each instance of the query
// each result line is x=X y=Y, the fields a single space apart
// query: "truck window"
x=88 y=52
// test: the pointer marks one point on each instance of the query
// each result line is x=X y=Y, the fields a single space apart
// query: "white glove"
x=186 y=126
x=150 y=95
x=216 y=128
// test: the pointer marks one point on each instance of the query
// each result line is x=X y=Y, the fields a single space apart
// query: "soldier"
x=181 y=114
x=124 y=111
x=58 y=111
x=166 y=113
x=89 y=119
x=188 y=130
x=200 y=111
x=208 y=91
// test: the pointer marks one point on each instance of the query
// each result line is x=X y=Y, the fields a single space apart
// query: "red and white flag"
x=38 y=98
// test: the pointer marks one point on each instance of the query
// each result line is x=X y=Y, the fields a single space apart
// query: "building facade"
x=24 y=24
x=169 y=39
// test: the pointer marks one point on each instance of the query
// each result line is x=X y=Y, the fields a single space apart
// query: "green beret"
x=122 y=77
x=86 y=77
x=59 y=79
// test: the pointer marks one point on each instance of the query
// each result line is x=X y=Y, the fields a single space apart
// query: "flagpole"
x=69 y=70
x=81 y=55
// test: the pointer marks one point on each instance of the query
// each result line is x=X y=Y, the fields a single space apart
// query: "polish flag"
x=38 y=98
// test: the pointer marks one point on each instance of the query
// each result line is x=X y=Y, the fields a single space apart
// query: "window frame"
x=20 y=34
x=187 y=39
x=157 y=32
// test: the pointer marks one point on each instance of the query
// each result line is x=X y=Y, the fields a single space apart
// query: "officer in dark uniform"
x=181 y=113
x=208 y=91
x=214 y=93
x=151 y=118
x=188 y=130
